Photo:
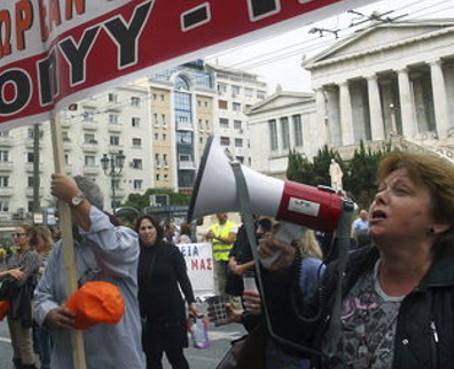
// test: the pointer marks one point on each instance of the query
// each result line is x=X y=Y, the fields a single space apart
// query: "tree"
x=138 y=201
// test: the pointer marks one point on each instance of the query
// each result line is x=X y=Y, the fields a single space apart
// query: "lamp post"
x=112 y=166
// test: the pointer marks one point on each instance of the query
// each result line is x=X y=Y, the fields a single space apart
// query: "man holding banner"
x=103 y=253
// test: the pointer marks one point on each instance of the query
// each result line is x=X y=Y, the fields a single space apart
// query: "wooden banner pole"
x=67 y=237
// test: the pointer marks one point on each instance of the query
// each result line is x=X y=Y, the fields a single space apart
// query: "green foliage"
x=359 y=178
x=139 y=201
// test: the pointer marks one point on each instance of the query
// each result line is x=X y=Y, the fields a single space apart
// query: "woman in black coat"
x=161 y=269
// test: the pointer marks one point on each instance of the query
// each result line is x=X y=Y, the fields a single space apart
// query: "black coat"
x=416 y=344
x=161 y=269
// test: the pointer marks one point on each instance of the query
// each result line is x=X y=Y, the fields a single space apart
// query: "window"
x=90 y=161
x=235 y=90
x=248 y=92
x=166 y=177
x=200 y=124
x=237 y=124
x=201 y=140
x=273 y=134
x=261 y=94
x=88 y=115
x=135 y=101
x=116 y=184
x=137 y=184
x=223 y=122
x=31 y=133
x=155 y=119
x=238 y=142
x=66 y=159
x=206 y=104
x=158 y=177
x=164 y=159
x=162 y=97
x=185 y=157
x=223 y=104
x=285 y=133
x=163 y=119
x=115 y=140
x=113 y=97
x=30 y=157
x=135 y=122
x=240 y=159
x=137 y=163
x=236 y=106
x=65 y=136
x=225 y=141
x=183 y=108
x=30 y=181
x=156 y=136
x=4 y=205
x=155 y=96
x=4 y=155
x=137 y=142
x=4 y=181
x=199 y=103
x=184 y=138
x=89 y=138
x=164 y=137
x=222 y=88
x=297 y=130
x=113 y=118
x=156 y=159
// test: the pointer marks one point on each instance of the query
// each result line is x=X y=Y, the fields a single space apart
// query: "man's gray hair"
x=91 y=191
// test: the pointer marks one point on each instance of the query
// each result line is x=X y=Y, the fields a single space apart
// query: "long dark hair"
x=155 y=222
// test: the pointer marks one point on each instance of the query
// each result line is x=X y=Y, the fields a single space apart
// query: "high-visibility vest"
x=221 y=250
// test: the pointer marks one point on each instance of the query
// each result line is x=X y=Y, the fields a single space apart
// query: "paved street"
x=198 y=359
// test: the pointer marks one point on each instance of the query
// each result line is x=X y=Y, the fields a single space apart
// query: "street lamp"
x=112 y=167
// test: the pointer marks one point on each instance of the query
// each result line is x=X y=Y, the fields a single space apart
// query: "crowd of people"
x=397 y=287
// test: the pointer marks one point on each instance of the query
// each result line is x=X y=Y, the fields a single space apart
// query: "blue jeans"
x=45 y=345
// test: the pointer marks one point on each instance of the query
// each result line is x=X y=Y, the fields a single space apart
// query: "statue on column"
x=336 y=175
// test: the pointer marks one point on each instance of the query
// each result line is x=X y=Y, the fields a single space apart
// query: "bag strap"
x=248 y=221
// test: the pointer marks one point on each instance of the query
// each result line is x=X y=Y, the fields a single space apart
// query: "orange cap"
x=4 y=308
x=96 y=302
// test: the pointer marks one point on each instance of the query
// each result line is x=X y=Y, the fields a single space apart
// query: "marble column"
x=406 y=104
x=375 y=109
x=346 y=114
x=320 y=111
x=440 y=98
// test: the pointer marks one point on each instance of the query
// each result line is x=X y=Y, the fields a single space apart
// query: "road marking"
x=216 y=336
x=4 y=339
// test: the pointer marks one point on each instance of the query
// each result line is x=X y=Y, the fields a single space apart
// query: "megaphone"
x=215 y=191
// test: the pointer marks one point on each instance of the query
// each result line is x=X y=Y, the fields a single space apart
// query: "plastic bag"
x=198 y=328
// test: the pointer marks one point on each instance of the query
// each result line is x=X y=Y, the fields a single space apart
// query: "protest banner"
x=56 y=52
x=199 y=262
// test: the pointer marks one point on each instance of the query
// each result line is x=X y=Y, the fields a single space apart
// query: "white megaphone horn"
x=215 y=191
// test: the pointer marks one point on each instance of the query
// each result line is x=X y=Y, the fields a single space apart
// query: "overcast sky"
x=278 y=60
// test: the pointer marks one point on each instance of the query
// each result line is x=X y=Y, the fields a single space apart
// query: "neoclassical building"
x=389 y=80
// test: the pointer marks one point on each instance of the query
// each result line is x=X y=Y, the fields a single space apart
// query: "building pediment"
x=281 y=100
x=379 y=37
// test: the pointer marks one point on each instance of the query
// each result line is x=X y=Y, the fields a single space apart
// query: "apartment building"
x=237 y=91
x=103 y=125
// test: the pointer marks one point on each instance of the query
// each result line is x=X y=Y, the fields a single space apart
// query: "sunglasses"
x=18 y=235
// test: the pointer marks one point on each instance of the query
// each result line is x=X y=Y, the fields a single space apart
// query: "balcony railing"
x=7 y=191
x=186 y=165
x=6 y=141
x=184 y=126
x=92 y=169
x=6 y=166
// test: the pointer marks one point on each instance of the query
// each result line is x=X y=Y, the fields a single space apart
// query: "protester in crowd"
x=222 y=235
x=162 y=270
x=41 y=241
x=360 y=229
x=240 y=256
x=170 y=232
x=103 y=253
x=185 y=234
x=398 y=293
x=22 y=269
